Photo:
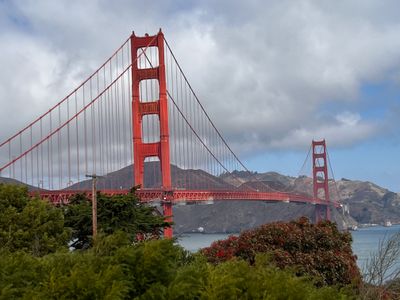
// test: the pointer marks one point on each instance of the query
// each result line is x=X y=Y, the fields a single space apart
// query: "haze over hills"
x=368 y=203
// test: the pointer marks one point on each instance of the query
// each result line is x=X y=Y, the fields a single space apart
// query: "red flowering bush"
x=222 y=250
x=320 y=250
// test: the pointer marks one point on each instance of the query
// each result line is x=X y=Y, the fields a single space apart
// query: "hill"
x=367 y=202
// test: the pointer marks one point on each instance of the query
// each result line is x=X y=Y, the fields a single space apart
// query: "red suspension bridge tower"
x=320 y=180
x=156 y=107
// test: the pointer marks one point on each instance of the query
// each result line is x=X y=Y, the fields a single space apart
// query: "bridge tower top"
x=156 y=107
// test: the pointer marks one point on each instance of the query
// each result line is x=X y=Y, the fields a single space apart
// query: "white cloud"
x=268 y=65
x=348 y=118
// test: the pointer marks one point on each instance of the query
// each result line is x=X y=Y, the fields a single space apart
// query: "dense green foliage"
x=236 y=279
x=35 y=262
x=119 y=212
x=320 y=251
x=116 y=269
x=30 y=225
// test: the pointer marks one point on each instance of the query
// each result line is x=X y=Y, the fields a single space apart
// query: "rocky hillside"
x=367 y=202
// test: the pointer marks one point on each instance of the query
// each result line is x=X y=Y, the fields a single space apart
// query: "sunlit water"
x=365 y=240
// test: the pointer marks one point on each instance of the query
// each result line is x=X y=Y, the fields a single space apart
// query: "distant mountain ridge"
x=368 y=202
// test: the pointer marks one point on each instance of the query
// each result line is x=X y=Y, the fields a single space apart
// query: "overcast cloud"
x=284 y=72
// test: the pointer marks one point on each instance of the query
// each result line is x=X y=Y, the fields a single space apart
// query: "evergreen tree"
x=119 y=212
x=31 y=225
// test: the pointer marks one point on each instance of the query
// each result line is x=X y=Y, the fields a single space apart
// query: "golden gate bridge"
x=138 y=114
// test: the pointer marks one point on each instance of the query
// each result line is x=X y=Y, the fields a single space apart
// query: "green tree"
x=118 y=212
x=31 y=225
x=34 y=263
x=114 y=268
x=236 y=279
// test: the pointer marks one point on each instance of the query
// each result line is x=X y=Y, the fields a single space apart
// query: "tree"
x=34 y=263
x=116 y=268
x=118 y=212
x=61 y=275
x=113 y=268
x=31 y=225
x=236 y=279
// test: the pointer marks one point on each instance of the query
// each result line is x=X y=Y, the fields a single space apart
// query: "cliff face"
x=367 y=202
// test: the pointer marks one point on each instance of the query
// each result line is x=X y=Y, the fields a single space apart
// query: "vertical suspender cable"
x=123 y=110
x=183 y=131
x=48 y=164
x=26 y=169
x=59 y=150
x=37 y=167
x=77 y=139
x=93 y=125
x=98 y=126
x=112 y=135
x=9 y=156
x=106 y=129
x=187 y=134
x=20 y=152
x=118 y=129
x=69 y=146
x=85 y=129
x=130 y=108
x=30 y=130
x=41 y=151
x=51 y=153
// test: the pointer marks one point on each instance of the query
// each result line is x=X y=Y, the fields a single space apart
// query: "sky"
x=285 y=72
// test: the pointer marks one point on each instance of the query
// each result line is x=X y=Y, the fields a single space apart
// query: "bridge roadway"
x=189 y=196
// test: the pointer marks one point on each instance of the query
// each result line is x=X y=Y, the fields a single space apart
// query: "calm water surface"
x=365 y=240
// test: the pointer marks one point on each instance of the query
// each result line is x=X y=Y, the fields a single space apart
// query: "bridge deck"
x=190 y=196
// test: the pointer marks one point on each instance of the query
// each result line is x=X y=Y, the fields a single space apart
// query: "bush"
x=236 y=279
x=112 y=269
x=320 y=251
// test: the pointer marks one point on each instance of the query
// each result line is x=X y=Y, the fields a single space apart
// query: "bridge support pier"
x=322 y=212
x=167 y=211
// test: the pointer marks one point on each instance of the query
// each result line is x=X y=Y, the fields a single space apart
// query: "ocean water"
x=365 y=241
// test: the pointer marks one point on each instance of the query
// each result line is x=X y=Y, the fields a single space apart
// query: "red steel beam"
x=190 y=196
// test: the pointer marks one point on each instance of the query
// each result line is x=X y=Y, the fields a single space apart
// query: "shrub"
x=320 y=250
